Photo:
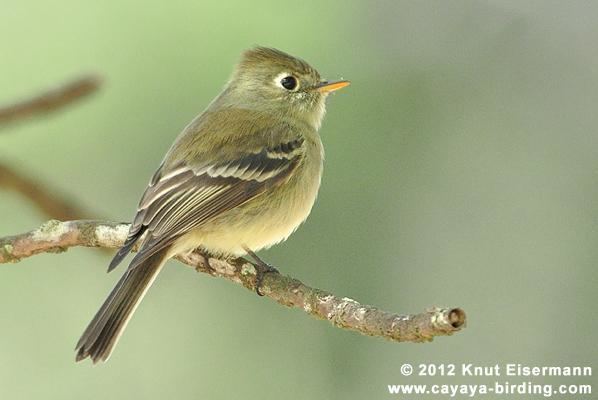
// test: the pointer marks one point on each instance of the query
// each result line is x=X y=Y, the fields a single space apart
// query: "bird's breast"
x=267 y=219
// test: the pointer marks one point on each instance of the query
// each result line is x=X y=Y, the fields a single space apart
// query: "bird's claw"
x=263 y=269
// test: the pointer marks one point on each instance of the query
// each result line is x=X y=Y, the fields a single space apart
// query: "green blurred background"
x=461 y=170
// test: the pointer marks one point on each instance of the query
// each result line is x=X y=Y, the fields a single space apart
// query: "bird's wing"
x=184 y=197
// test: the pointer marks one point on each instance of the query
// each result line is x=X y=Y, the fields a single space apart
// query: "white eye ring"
x=290 y=79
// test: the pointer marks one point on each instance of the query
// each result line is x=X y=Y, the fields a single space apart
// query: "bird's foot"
x=263 y=269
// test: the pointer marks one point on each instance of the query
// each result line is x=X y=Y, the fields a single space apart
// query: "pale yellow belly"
x=263 y=221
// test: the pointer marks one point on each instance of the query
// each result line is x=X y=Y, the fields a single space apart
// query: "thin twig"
x=56 y=236
x=49 y=101
x=48 y=201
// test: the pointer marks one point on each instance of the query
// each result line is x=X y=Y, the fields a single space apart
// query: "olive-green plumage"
x=241 y=176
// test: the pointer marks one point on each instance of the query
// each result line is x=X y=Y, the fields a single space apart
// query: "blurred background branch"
x=46 y=199
x=64 y=95
x=343 y=312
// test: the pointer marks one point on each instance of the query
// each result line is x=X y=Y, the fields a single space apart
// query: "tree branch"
x=56 y=236
x=51 y=100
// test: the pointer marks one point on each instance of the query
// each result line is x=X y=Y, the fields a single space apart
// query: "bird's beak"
x=327 y=87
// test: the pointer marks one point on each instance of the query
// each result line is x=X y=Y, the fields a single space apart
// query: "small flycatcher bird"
x=242 y=176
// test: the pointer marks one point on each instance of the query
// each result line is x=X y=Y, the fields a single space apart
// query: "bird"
x=240 y=177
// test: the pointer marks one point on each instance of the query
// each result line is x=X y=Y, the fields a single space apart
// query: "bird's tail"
x=106 y=327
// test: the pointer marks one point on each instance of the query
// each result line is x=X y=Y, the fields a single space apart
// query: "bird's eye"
x=289 y=82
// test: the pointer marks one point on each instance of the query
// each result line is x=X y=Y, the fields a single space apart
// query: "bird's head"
x=271 y=80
